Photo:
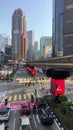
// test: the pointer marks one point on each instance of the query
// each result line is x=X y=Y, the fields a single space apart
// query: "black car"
x=41 y=103
x=46 y=116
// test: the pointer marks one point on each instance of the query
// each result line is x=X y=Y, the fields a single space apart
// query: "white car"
x=2 y=126
x=25 y=123
x=4 y=114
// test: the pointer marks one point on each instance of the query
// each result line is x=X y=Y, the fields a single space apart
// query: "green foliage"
x=62 y=98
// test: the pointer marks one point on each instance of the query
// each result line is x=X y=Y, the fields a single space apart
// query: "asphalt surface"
x=69 y=90
x=13 y=123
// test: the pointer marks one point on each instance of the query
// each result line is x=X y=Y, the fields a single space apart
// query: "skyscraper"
x=7 y=40
x=44 y=41
x=62 y=27
x=2 y=46
x=30 y=34
x=19 y=36
x=36 y=46
x=68 y=27
x=58 y=12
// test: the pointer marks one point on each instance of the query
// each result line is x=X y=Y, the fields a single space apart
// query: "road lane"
x=14 y=123
x=10 y=123
x=20 y=89
x=36 y=124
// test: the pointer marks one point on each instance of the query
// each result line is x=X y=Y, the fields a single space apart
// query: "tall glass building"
x=30 y=34
x=62 y=27
x=68 y=27
x=44 y=41
x=19 y=36
x=57 y=37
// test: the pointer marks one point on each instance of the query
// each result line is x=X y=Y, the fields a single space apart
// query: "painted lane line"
x=57 y=125
x=38 y=119
x=34 y=121
x=14 y=124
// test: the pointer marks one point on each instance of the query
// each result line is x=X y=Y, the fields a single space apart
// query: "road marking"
x=15 y=97
x=20 y=97
x=24 y=96
x=10 y=98
x=29 y=96
x=14 y=124
x=38 y=118
x=57 y=125
x=34 y=121
x=4 y=99
x=66 y=92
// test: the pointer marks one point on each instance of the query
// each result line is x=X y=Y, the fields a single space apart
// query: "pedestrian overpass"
x=65 y=62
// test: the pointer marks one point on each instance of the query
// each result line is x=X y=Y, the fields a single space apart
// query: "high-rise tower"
x=62 y=27
x=30 y=34
x=19 y=36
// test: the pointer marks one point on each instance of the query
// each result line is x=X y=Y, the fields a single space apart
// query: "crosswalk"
x=68 y=92
x=25 y=96
x=19 y=97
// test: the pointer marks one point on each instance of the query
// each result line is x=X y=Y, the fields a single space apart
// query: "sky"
x=38 y=16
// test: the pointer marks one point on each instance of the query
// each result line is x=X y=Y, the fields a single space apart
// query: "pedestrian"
x=35 y=93
x=34 y=108
x=6 y=101
x=32 y=98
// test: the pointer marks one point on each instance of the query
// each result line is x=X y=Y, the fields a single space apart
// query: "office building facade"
x=8 y=53
x=45 y=40
x=30 y=34
x=48 y=50
x=19 y=36
x=7 y=40
x=2 y=46
x=2 y=58
x=36 y=46
x=62 y=27
x=57 y=36
x=68 y=27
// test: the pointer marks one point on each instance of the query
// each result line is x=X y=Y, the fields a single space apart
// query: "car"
x=46 y=116
x=4 y=114
x=25 y=123
x=25 y=108
x=41 y=103
x=3 y=127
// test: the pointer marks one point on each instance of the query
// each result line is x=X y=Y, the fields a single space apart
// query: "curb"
x=57 y=122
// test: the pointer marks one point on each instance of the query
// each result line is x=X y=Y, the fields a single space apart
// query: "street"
x=18 y=93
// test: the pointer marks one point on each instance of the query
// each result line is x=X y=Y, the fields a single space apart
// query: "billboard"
x=57 y=87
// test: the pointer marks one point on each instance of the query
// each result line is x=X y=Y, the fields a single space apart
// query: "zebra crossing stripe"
x=10 y=98
x=29 y=95
x=20 y=97
x=24 y=96
x=66 y=92
x=4 y=98
x=15 y=97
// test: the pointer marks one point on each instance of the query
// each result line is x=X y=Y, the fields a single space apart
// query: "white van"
x=25 y=123
x=2 y=126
